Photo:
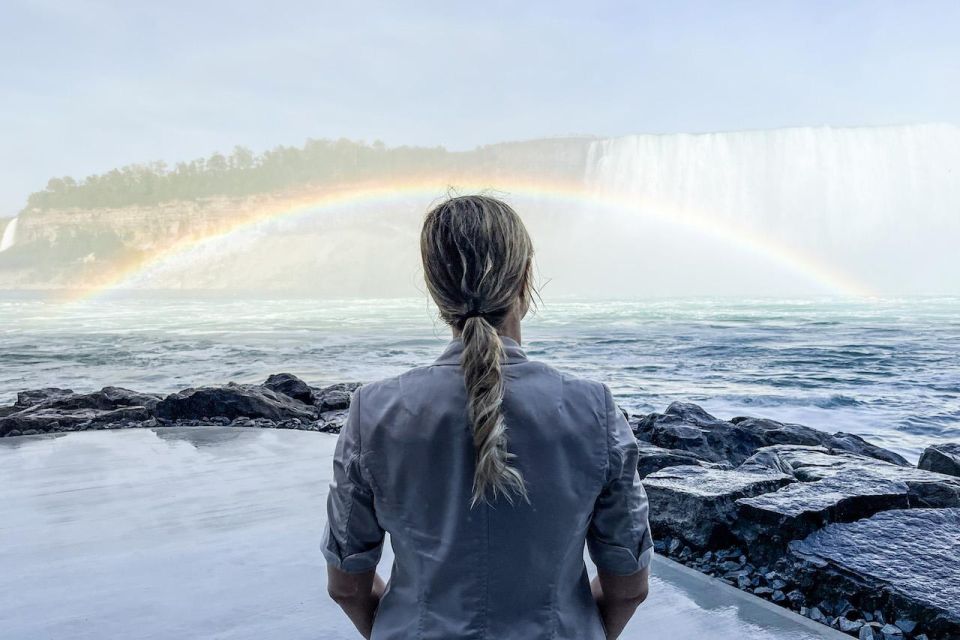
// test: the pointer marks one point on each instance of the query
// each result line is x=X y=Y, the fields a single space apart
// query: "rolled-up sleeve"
x=353 y=538
x=618 y=538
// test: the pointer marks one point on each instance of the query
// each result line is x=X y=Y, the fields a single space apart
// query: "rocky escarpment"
x=830 y=525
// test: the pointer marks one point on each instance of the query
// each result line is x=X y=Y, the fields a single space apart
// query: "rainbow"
x=429 y=191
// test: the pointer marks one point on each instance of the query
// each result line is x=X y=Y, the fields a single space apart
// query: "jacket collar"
x=451 y=355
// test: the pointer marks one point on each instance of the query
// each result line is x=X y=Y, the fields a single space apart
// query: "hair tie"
x=474 y=309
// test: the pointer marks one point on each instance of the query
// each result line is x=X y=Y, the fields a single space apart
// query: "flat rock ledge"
x=920 y=582
x=832 y=526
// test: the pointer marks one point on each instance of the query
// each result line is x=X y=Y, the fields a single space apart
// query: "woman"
x=489 y=470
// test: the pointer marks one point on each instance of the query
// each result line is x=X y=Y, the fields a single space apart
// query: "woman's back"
x=406 y=464
x=488 y=470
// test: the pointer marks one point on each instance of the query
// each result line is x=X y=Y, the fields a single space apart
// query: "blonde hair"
x=478 y=263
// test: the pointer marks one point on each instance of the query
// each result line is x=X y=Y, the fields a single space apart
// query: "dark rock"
x=232 y=401
x=796 y=598
x=815 y=614
x=849 y=626
x=106 y=399
x=47 y=410
x=852 y=443
x=768 y=522
x=290 y=386
x=833 y=488
x=870 y=631
x=903 y=561
x=654 y=458
x=33 y=397
x=891 y=632
x=687 y=427
x=336 y=397
x=698 y=505
x=942 y=458
x=811 y=464
x=907 y=626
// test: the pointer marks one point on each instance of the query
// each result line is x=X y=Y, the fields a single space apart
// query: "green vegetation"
x=241 y=173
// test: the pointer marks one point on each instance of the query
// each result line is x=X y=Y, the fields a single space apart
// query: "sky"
x=89 y=85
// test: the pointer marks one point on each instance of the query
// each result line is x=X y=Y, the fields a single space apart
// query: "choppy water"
x=888 y=370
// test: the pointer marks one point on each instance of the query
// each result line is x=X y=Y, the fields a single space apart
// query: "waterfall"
x=881 y=204
x=9 y=235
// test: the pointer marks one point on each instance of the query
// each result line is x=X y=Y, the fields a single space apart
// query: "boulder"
x=812 y=464
x=290 y=386
x=901 y=564
x=699 y=505
x=232 y=401
x=46 y=410
x=46 y=421
x=336 y=397
x=767 y=522
x=107 y=399
x=831 y=488
x=942 y=458
x=687 y=427
x=654 y=458
x=31 y=397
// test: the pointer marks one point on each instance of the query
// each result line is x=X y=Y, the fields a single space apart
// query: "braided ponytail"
x=477 y=260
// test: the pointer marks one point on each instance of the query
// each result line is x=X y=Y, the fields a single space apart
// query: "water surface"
x=888 y=370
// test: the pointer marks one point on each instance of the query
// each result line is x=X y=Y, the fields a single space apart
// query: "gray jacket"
x=404 y=464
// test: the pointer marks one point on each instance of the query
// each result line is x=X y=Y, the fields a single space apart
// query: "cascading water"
x=881 y=204
x=9 y=235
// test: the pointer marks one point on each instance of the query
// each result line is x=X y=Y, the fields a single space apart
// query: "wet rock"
x=849 y=626
x=768 y=522
x=942 y=458
x=290 y=386
x=870 y=631
x=852 y=443
x=654 y=458
x=232 y=401
x=698 y=504
x=907 y=626
x=901 y=561
x=47 y=410
x=33 y=397
x=891 y=632
x=687 y=427
x=812 y=464
x=336 y=397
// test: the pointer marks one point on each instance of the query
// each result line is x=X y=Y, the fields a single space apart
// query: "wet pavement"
x=215 y=532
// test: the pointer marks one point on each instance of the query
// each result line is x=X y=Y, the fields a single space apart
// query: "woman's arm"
x=358 y=594
x=618 y=597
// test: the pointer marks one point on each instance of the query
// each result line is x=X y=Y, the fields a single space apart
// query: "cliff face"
x=74 y=247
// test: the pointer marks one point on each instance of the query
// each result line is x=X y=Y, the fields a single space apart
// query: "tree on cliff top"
x=241 y=173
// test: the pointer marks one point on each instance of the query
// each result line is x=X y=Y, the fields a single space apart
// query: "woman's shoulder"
x=572 y=386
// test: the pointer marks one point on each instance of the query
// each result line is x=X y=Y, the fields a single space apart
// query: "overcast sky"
x=87 y=85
